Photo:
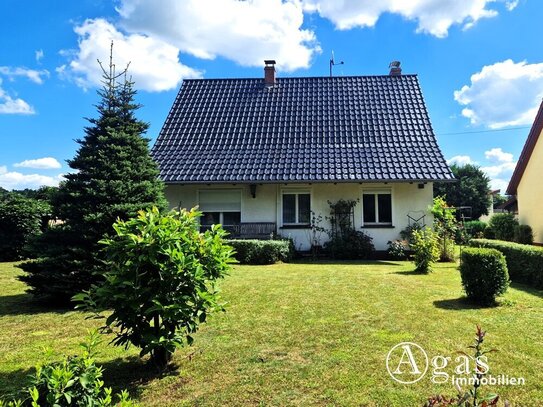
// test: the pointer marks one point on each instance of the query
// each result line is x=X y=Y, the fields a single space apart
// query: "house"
x=526 y=183
x=261 y=155
x=490 y=208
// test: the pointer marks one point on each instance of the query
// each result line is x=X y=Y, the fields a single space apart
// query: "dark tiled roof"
x=314 y=129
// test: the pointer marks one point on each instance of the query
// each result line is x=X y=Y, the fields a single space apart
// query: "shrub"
x=524 y=263
x=76 y=381
x=397 y=249
x=426 y=249
x=445 y=226
x=407 y=233
x=502 y=226
x=20 y=220
x=475 y=228
x=350 y=245
x=161 y=281
x=484 y=274
x=524 y=234
x=262 y=251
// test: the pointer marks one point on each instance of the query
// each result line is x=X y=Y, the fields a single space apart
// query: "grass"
x=299 y=334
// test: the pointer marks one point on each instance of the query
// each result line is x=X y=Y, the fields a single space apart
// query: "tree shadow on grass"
x=334 y=262
x=11 y=383
x=26 y=304
x=527 y=289
x=132 y=374
x=459 y=304
x=410 y=273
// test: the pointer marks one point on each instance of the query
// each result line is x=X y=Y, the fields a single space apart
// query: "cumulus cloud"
x=503 y=94
x=9 y=105
x=246 y=32
x=154 y=64
x=31 y=74
x=460 y=160
x=45 y=163
x=15 y=180
x=497 y=154
x=434 y=17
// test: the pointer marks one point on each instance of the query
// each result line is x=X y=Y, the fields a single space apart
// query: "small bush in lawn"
x=76 y=381
x=407 y=233
x=426 y=249
x=161 y=281
x=397 y=249
x=350 y=245
x=524 y=234
x=252 y=251
x=503 y=226
x=475 y=228
x=484 y=274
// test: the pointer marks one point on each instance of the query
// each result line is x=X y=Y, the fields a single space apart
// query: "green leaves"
x=159 y=280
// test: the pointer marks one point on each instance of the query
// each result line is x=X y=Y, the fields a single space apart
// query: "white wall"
x=266 y=207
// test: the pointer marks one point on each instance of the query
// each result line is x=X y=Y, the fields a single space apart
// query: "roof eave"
x=310 y=181
x=531 y=141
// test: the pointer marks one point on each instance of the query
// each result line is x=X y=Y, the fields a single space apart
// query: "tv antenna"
x=334 y=63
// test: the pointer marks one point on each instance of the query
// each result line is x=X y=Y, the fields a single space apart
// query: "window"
x=296 y=208
x=377 y=208
x=220 y=206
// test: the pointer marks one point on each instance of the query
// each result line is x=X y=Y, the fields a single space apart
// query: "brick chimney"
x=395 y=69
x=269 y=72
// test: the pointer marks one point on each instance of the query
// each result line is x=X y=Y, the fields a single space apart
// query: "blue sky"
x=479 y=63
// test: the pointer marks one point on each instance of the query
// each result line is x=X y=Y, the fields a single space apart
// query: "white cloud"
x=494 y=171
x=31 y=74
x=460 y=160
x=497 y=154
x=154 y=64
x=45 y=163
x=16 y=180
x=499 y=183
x=9 y=105
x=503 y=94
x=434 y=17
x=39 y=55
x=246 y=32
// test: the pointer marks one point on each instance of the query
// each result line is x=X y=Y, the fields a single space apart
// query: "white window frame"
x=376 y=192
x=296 y=203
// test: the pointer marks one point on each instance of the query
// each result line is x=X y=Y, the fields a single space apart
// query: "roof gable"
x=312 y=129
x=527 y=150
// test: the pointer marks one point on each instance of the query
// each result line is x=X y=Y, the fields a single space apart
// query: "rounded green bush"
x=484 y=274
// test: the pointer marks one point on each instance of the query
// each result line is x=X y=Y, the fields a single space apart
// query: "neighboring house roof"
x=312 y=129
x=526 y=153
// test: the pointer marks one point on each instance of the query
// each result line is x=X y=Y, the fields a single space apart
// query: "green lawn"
x=299 y=334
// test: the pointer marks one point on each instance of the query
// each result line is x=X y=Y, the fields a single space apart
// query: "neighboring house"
x=261 y=155
x=526 y=183
x=491 y=194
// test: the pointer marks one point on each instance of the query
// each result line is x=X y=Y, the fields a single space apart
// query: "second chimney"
x=395 y=69
x=269 y=72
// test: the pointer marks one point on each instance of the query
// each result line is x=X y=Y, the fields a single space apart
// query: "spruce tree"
x=114 y=177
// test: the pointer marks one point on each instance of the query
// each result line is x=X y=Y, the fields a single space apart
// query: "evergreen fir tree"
x=114 y=177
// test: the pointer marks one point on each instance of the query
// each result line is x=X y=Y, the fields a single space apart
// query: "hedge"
x=524 y=262
x=484 y=274
x=262 y=251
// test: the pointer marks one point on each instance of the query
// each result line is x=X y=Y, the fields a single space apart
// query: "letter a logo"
x=404 y=357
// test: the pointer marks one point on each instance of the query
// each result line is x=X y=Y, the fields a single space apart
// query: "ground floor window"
x=377 y=208
x=220 y=206
x=296 y=208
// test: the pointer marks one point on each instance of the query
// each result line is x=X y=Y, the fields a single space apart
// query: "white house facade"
x=263 y=156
